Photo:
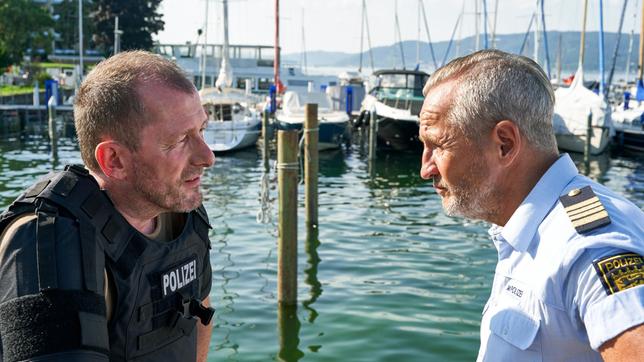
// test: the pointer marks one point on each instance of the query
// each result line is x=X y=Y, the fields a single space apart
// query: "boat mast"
x=204 y=56
x=304 y=60
x=641 y=59
x=366 y=22
x=630 y=47
x=80 y=38
x=484 y=24
x=276 y=62
x=496 y=11
x=582 y=45
x=402 y=51
x=476 y=25
x=361 y=36
x=429 y=38
x=225 y=78
x=460 y=30
x=537 y=42
x=602 y=85
x=418 y=35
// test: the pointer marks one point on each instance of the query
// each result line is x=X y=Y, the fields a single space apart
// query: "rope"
x=264 y=214
x=289 y=166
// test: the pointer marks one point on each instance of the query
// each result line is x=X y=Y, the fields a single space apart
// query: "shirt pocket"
x=515 y=327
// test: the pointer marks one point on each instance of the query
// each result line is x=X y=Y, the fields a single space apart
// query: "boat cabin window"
x=264 y=84
x=400 y=86
x=241 y=82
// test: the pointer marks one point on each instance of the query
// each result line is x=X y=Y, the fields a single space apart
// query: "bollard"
x=311 y=164
x=265 y=140
x=589 y=135
x=53 y=137
x=287 y=169
x=373 y=133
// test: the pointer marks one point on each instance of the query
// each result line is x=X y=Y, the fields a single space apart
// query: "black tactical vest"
x=156 y=284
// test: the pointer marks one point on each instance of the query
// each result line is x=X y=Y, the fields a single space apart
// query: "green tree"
x=138 y=19
x=67 y=24
x=23 y=25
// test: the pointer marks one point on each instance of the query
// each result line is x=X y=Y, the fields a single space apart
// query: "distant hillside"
x=389 y=56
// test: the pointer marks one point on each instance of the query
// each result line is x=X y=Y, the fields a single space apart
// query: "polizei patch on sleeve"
x=620 y=272
x=179 y=277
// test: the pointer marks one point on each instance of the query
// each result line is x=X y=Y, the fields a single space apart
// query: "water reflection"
x=332 y=163
x=311 y=272
x=597 y=166
x=288 y=326
x=395 y=169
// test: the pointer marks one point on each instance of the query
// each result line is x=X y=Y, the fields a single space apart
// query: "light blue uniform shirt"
x=547 y=301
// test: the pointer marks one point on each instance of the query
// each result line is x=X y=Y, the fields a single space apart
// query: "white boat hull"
x=232 y=135
x=600 y=139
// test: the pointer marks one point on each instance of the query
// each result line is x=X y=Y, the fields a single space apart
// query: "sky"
x=335 y=25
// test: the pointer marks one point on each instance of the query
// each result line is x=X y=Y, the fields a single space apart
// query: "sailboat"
x=628 y=117
x=234 y=121
x=573 y=106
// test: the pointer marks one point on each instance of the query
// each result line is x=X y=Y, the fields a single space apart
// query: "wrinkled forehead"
x=438 y=102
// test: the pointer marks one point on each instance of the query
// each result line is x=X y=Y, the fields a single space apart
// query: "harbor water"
x=388 y=277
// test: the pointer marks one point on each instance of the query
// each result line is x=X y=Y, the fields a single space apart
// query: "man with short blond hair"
x=112 y=262
x=569 y=283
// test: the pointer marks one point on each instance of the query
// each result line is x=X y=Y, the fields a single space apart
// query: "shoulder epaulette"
x=584 y=209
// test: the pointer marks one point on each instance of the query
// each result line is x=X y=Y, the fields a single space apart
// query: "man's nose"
x=428 y=167
x=204 y=156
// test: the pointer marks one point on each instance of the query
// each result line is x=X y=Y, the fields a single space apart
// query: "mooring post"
x=265 y=140
x=373 y=131
x=311 y=164
x=53 y=137
x=589 y=135
x=287 y=169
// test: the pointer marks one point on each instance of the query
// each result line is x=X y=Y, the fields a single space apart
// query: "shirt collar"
x=523 y=224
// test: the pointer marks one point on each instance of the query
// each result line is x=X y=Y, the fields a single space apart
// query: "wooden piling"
x=373 y=133
x=287 y=169
x=311 y=164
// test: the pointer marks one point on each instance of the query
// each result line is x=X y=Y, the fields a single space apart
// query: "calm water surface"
x=388 y=277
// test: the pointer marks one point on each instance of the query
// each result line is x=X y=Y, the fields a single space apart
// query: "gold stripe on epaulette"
x=589 y=219
x=581 y=204
x=588 y=212
x=584 y=209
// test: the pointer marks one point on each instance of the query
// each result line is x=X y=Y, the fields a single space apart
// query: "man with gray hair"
x=569 y=283
x=111 y=261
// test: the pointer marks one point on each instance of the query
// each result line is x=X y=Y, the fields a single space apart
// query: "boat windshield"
x=400 y=86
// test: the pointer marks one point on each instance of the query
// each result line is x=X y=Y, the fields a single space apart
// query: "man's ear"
x=507 y=141
x=113 y=158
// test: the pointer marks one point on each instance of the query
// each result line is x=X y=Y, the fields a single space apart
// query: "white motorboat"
x=333 y=125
